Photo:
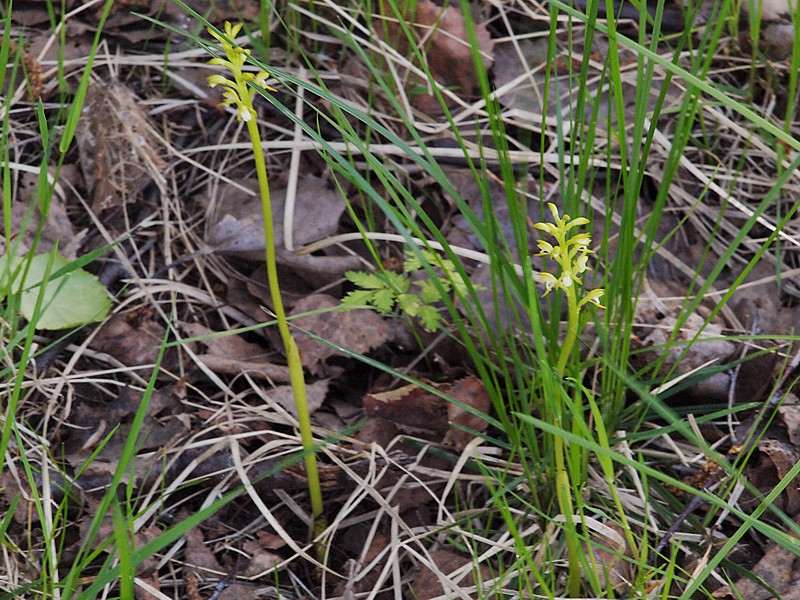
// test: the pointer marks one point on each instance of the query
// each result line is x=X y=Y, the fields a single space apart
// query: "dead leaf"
x=232 y=355
x=414 y=408
x=133 y=339
x=261 y=559
x=362 y=572
x=236 y=228
x=776 y=459
x=236 y=224
x=409 y=407
x=358 y=331
x=789 y=413
x=57 y=229
x=443 y=40
x=519 y=72
x=656 y=325
x=94 y=416
x=470 y=392
x=315 y=396
x=778 y=569
x=428 y=584
x=607 y=554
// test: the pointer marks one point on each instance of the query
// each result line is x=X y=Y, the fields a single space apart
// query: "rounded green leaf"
x=72 y=299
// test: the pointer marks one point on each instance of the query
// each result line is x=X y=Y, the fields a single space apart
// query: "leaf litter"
x=151 y=156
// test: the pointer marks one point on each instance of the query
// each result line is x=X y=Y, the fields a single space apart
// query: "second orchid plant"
x=239 y=93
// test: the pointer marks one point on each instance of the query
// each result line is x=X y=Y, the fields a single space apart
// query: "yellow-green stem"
x=563 y=486
x=296 y=377
x=564 y=497
x=572 y=330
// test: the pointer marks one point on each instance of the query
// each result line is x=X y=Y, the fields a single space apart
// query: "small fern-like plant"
x=416 y=297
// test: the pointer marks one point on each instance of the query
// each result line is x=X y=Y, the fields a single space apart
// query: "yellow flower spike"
x=547 y=228
x=582 y=264
x=554 y=211
x=572 y=256
x=215 y=80
x=229 y=31
x=581 y=240
x=261 y=81
x=574 y=222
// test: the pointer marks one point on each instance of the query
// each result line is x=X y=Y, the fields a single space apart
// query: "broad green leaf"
x=397 y=282
x=409 y=304
x=71 y=298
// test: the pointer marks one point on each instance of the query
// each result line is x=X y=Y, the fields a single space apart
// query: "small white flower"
x=592 y=297
x=582 y=240
x=547 y=279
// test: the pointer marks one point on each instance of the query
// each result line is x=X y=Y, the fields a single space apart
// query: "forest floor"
x=437 y=455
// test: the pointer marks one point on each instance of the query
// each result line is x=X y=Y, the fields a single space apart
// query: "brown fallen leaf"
x=779 y=569
x=775 y=460
x=133 y=339
x=409 y=407
x=519 y=72
x=57 y=229
x=236 y=228
x=656 y=324
x=358 y=331
x=470 y=392
x=201 y=564
x=360 y=580
x=94 y=416
x=232 y=355
x=413 y=408
x=428 y=584
x=261 y=559
x=315 y=396
x=236 y=225
x=789 y=413
x=442 y=38
x=607 y=554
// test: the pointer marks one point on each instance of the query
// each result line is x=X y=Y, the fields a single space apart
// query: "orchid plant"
x=570 y=251
x=239 y=93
